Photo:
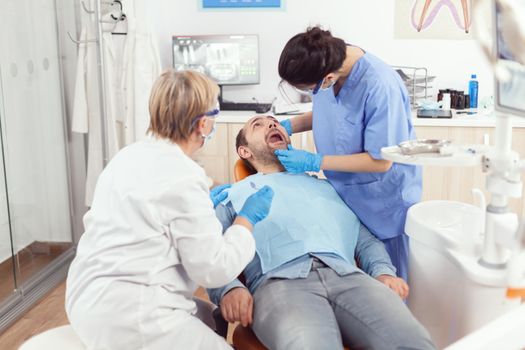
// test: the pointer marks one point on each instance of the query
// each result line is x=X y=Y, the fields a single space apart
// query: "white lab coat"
x=151 y=236
x=141 y=67
x=86 y=109
x=131 y=66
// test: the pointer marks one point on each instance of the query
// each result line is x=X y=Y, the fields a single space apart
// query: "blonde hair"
x=176 y=99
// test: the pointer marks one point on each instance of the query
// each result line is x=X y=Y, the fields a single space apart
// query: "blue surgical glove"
x=298 y=161
x=257 y=206
x=218 y=194
x=287 y=124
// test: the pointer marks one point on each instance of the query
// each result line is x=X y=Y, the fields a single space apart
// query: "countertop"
x=477 y=120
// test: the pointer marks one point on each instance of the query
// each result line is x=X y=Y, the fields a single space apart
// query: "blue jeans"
x=325 y=310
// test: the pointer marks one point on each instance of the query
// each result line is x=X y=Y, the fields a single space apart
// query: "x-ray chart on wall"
x=433 y=19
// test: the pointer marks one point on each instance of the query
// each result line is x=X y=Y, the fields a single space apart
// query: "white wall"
x=366 y=23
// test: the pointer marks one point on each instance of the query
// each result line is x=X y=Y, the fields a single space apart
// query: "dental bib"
x=307 y=216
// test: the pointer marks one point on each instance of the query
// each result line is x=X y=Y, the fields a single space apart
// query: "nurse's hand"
x=237 y=306
x=298 y=161
x=287 y=124
x=257 y=206
x=397 y=284
x=218 y=194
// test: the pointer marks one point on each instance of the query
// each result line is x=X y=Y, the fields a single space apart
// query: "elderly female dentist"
x=152 y=235
x=359 y=106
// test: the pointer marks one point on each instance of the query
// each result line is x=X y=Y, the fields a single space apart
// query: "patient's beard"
x=265 y=156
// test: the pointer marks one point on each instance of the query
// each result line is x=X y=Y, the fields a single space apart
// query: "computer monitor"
x=227 y=59
x=510 y=94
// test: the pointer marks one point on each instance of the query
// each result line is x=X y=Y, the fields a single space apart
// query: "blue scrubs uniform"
x=371 y=111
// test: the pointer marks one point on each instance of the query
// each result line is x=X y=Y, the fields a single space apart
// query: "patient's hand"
x=397 y=284
x=237 y=305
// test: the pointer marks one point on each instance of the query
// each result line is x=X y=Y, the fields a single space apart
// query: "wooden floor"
x=29 y=262
x=48 y=313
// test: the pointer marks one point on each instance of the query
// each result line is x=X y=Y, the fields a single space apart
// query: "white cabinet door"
x=435 y=184
x=309 y=139
x=518 y=145
x=461 y=180
x=213 y=157
x=218 y=143
x=216 y=167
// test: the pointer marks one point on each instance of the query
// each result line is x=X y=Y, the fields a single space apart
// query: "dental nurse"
x=360 y=105
x=151 y=235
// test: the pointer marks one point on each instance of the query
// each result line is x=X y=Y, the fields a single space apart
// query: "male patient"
x=304 y=290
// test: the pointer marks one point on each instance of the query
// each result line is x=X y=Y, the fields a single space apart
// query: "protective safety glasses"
x=308 y=91
x=212 y=114
x=320 y=86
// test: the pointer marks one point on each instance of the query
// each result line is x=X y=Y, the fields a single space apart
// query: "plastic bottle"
x=473 y=91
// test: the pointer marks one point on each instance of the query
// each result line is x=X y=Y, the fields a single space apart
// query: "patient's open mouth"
x=275 y=138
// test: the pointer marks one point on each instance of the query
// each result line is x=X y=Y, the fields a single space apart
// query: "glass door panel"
x=7 y=262
x=33 y=135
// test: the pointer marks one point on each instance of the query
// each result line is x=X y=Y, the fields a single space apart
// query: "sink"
x=447 y=224
x=451 y=294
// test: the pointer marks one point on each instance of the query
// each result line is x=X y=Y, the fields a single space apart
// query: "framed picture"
x=220 y=4
x=433 y=19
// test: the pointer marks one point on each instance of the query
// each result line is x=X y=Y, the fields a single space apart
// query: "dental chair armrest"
x=221 y=325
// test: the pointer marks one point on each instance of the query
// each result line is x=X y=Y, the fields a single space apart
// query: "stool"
x=56 y=338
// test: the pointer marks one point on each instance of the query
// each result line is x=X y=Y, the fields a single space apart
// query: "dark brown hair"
x=241 y=141
x=308 y=57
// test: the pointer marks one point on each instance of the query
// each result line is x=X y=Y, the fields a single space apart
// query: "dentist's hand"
x=287 y=124
x=218 y=194
x=257 y=206
x=398 y=285
x=237 y=305
x=298 y=161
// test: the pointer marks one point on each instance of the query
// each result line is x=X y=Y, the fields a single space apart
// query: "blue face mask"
x=329 y=86
x=320 y=87
x=210 y=135
x=211 y=114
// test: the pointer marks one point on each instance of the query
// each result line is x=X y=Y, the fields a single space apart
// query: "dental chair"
x=243 y=337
